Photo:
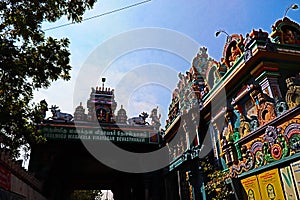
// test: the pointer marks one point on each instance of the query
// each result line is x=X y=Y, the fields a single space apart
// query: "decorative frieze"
x=275 y=143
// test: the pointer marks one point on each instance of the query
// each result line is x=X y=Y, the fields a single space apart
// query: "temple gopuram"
x=64 y=164
x=246 y=146
x=101 y=123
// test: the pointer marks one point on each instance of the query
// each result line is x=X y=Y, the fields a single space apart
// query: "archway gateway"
x=64 y=164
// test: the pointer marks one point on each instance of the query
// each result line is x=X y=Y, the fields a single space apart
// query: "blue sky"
x=194 y=19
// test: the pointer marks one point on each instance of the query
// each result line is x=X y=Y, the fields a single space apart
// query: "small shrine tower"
x=101 y=104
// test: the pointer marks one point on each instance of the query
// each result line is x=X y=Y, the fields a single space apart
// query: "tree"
x=86 y=195
x=29 y=61
x=217 y=187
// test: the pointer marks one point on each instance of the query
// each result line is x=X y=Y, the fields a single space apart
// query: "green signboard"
x=99 y=134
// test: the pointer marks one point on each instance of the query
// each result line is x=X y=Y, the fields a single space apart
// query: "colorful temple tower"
x=101 y=104
x=254 y=135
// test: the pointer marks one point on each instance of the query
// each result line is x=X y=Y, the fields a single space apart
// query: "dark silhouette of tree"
x=29 y=61
x=86 y=194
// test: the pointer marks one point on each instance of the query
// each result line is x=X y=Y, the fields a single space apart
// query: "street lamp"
x=293 y=6
x=221 y=31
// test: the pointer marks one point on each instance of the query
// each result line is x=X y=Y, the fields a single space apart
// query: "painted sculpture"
x=140 y=120
x=286 y=31
x=57 y=115
x=155 y=118
x=293 y=94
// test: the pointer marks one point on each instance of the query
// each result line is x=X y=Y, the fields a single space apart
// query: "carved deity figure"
x=155 y=118
x=228 y=131
x=244 y=126
x=235 y=53
x=264 y=106
x=293 y=94
x=288 y=37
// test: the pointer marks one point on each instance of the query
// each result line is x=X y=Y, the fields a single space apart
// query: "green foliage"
x=205 y=165
x=217 y=186
x=30 y=61
x=85 y=194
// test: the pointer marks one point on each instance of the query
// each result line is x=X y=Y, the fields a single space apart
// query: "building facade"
x=17 y=183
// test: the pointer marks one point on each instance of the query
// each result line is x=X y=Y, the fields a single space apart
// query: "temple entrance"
x=66 y=166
